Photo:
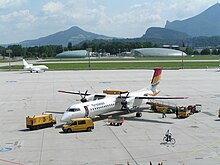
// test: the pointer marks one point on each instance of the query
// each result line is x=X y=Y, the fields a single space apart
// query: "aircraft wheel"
x=138 y=114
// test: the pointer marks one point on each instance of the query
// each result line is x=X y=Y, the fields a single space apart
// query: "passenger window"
x=81 y=122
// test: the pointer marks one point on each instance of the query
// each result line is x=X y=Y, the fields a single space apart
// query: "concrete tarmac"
x=137 y=142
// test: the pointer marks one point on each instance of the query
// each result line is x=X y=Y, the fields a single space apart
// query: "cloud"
x=93 y=16
x=10 y=3
x=52 y=7
x=18 y=26
x=18 y=16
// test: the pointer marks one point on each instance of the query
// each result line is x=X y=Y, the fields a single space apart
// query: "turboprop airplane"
x=110 y=100
x=32 y=68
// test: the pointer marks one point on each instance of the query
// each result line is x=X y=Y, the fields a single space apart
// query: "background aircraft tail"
x=25 y=62
x=156 y=80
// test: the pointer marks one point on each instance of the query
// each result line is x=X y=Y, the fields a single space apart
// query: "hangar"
x=72 y=54
x=157 y=52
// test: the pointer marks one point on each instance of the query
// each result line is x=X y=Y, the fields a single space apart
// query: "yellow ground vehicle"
x=157 y=107
x=40 y=121
x=79 y=124
x=183 y=112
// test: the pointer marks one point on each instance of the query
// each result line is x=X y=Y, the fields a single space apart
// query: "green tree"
x=205 y=51
x=195 y=52
x=69 y=46
x=215 y=52
x=189 y=51
x=17 y=50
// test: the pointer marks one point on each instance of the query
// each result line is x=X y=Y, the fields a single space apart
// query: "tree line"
x=99 y=46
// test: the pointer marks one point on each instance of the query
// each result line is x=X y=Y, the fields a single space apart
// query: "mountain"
x=75 y=35
x=162 y=33
x=206 y=23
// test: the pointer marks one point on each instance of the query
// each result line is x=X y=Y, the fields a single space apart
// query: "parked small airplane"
x=110 y=100
x=32 y=68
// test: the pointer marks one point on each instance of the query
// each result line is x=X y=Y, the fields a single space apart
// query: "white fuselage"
x=105 y=105
x=35 y=68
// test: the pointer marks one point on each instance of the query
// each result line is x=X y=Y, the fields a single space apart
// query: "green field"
x=127 y=63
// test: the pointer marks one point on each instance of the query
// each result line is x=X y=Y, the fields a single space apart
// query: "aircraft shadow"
x=130 y=118
x=147 y=120
x=30 y=130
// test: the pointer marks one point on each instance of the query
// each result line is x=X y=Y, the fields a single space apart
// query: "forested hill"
x=74 y=35
x=206 y=23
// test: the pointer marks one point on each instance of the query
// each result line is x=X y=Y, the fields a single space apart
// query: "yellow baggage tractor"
x=157 y=107
x=183 y=112
x=40 y=121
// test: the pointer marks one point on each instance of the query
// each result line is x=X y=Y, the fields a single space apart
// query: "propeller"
x=124 y=102
x=83 y=98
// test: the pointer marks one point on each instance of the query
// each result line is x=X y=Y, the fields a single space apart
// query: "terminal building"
x=72 y=54
x=157 y=52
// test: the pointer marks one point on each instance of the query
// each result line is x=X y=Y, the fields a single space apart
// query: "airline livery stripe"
x=156 y=79
x=156 y=76
x=157 y=72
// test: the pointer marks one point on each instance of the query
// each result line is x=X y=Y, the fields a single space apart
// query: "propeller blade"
x=83 y=98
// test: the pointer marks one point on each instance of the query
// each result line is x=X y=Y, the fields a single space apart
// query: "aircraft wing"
x=161 y=97
x=75 y=93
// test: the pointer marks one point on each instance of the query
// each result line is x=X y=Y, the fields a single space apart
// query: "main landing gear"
x=138 y=114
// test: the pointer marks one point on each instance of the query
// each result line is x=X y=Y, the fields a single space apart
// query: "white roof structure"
x=72 y=54
x=157 y=52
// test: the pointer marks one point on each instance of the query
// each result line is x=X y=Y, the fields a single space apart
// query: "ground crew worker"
x=177 y=115
x=164 y=113
x=160 y=163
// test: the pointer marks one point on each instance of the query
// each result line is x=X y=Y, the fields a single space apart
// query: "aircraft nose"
x=65 y=118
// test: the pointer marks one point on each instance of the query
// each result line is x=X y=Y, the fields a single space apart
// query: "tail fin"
x=156 y=80
x=25 y=62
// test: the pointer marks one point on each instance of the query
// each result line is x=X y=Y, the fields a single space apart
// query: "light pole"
x=182 y=59
x=9 y=51
x=182 y=54
x=88 y=52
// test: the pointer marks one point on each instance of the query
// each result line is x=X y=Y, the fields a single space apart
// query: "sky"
x=31 y=19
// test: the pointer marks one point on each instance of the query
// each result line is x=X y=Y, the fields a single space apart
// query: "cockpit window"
x=73 y=109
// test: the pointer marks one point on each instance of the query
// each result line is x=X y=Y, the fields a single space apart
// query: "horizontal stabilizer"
x=161 y=97
x=54 y=112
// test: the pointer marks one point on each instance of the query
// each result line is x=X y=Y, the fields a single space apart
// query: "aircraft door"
x=86 y=111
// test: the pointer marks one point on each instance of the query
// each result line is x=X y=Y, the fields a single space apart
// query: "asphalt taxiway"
x=137 y=141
